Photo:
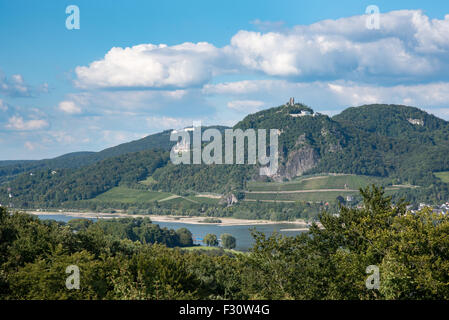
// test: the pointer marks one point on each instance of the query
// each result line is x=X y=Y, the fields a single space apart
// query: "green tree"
x=185 y=237
x=80 y=224
x=228 y=241
x=211 y=240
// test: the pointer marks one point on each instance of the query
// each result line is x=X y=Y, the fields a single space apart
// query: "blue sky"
x=139 y=67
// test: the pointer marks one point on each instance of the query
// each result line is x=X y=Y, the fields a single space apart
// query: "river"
x=241 y=233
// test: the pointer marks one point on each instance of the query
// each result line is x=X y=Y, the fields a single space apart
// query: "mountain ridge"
x=374 y=140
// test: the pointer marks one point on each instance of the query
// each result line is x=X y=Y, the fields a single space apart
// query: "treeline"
x=383 y=142
x=135 y=229
x=436 y=193
x=50 y=188
x=409 y=251
x=275 y=211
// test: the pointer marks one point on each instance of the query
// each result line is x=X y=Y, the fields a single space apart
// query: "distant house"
x=181 y=147
x=301 y=114
x=422 y=206
x=418 y=122
x=349 y=198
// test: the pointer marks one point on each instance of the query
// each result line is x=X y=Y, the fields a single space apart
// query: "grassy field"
x=189 y=200
x=444 y=176
x=127 y=195
x=204 y=199
x=318 y=188
x=309 y=196
x=353 y=182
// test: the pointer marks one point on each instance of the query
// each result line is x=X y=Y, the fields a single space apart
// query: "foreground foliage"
x=410 y=250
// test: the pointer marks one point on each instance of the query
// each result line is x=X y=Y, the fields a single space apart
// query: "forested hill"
x=396 y=121
x=46 y=187
x=396 y=141
x=404 y=144
x=401 y=141
x=159 y=141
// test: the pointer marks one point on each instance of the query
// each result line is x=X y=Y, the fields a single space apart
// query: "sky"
x=133 y=68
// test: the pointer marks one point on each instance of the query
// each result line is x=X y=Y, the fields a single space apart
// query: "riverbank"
x=225 y=221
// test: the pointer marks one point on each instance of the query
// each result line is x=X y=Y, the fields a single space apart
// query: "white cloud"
x=142 y=103
x=341 y=49
x=62 y=137
x=115 y=137
x=3 y=106
x=247 y=106
x=69 y=107
x=151 y=66
x=407 y=47
x=29 y=145
x=14 y=86
x=330 y=113
x=17 y=123
x=431 y=94
x=164 y=123
x=243 y=87
x=329 y=65
x=330 y=97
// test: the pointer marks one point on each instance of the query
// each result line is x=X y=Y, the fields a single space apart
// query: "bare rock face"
x=299 y=161
x=229 y=199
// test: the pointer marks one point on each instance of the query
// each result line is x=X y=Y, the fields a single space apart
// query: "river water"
x=241 y=233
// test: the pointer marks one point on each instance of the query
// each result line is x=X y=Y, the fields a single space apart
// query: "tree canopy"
x=117 y=260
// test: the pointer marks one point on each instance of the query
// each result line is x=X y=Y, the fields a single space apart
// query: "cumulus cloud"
x=329 y=65
x=346 y=49
x=30 y=146
x=434 y=94
x=331 y=97
x=164 y=123
x=242 y=87
x=151 y=66
x=62 y=137
x=245 y=105
x=17 y=123
x=14 y=86
x=69 y=107
x=408 y=47
x=143 y=103
x=3 y=106
x=115 y=137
